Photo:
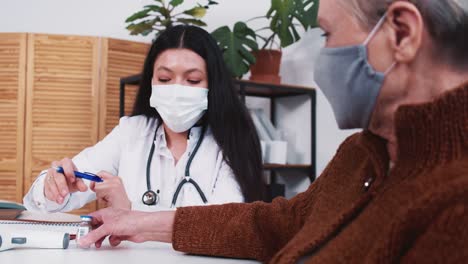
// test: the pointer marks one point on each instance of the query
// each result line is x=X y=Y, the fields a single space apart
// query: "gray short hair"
x=446 y=20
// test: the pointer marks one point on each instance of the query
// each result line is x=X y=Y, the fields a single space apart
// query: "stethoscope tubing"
x=187 y=179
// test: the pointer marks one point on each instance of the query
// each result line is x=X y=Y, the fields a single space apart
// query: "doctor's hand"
x=57 y=185
x=135 y=226
x=111 y=191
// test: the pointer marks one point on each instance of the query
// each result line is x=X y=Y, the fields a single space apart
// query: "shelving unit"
x=272 y=92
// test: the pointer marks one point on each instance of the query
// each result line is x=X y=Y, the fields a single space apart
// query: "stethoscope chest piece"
x=150 y=198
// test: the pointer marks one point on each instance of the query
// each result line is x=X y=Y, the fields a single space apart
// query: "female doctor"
x=190 y=140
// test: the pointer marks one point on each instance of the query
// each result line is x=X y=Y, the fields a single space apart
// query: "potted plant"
x=165 y=14
x=285 y=18
x=237 y=46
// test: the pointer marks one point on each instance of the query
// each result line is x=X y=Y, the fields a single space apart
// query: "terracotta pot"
x=267 y=67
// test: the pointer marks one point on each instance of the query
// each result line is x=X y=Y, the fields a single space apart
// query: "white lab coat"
x=124 y=152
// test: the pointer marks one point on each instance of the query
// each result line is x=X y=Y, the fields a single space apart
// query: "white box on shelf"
x=277 y=152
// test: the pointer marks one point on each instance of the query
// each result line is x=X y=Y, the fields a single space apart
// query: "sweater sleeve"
x=249 y=231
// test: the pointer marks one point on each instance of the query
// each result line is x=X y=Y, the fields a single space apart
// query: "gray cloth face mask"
x=349 y=82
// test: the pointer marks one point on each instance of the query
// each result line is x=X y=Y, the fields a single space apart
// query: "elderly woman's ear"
x=406 y=30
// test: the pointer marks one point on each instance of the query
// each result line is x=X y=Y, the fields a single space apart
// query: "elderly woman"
x=397 y=192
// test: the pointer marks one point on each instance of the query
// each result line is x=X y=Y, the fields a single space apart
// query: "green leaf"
x=153 y=7
x=142 y=28
x=237 y=47
x=308 y=18
x=283 y=15
x=175 y=3
x=210 y=3
x=165 y=12
x=197 y=12
x=146 y=32
x=191 y=21
x=313 y=14
x=141 y=14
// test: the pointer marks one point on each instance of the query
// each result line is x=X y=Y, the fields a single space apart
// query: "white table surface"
x=127 y=252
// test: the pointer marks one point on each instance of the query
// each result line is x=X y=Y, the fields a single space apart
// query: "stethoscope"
x=152 y=198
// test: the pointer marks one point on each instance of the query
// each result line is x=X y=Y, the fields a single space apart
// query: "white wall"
x=106 y=18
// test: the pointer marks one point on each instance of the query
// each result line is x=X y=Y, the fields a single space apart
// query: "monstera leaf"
x=237 y=46
x=285 y=16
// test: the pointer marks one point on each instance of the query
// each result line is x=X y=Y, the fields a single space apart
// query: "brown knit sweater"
x=417 y=213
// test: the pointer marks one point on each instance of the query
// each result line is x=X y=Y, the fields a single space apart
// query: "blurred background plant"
x=285 y=17
x=286 y=20
x=165 y=14
x=237 y=46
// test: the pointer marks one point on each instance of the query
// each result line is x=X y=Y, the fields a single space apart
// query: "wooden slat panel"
x=12 y=102
x=58 y=116
x=62 y=100
x=120 y=59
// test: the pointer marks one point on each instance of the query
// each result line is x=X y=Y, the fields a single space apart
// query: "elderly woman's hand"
x=135 y=226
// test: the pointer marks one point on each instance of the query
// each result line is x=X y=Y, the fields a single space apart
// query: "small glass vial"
x=85 y=226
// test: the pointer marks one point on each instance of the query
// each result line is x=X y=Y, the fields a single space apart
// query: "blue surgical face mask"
x=349 y=82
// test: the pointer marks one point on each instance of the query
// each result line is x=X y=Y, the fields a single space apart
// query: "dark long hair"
x=227 y=116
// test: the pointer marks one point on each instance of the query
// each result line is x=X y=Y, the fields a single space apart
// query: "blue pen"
x=82 y=175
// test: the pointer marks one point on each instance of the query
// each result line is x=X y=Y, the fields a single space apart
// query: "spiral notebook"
x=27 y=220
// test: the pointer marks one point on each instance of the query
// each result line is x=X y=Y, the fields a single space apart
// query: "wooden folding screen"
x=58 y=95
x=62 y=100
x=123 y=58
x=12 y=107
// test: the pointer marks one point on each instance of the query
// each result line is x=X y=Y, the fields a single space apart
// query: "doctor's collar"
x=194 y=133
